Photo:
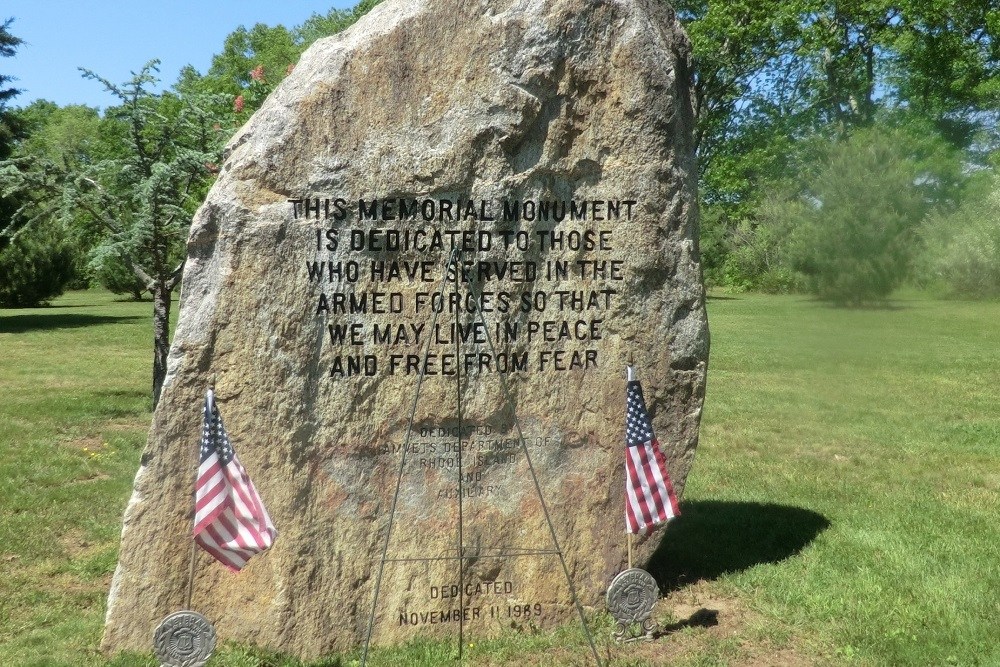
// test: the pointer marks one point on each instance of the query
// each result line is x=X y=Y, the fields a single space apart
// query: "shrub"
x=856 y=238
x=761 y=249
x=35 y=266
x=110 y=270
x=962 y=248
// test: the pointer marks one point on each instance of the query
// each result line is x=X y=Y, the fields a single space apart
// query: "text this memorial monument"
x=416 y=283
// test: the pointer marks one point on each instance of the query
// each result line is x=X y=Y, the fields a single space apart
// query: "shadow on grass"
x=713 y=537
x=57 y=306
x=122 y=393
x=703 y=618
x=885 y=305
x=43 y=322
x=124 y=403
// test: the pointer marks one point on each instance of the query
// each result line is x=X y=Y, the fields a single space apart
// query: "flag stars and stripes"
x=638 y=428
x=649 y=495
x=231 y=522
x=214 y=438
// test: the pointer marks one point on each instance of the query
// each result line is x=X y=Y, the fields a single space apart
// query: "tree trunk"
x=161 y=336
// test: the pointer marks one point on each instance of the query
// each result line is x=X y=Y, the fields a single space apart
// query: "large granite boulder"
x=550 y=141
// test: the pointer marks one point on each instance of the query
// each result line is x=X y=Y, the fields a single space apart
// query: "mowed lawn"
x=844 y=507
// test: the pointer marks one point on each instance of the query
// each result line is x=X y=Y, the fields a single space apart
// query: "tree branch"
x=175 y=277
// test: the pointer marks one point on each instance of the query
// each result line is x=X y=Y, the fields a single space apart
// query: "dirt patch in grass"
x=696 y=623
x=74 y=586
x=128 y=425
x=94 y=476
x=779 y=658
x=87 y=443
x=75 y=543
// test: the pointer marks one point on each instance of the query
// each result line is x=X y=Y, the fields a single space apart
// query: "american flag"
x=649 y=495
x=230 y=521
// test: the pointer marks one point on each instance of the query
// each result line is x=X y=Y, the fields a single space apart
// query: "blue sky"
x=116 y=38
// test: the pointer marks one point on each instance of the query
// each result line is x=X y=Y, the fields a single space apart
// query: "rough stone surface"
x=439 y=100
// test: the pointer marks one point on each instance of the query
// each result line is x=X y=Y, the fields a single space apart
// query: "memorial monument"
x=443 y=235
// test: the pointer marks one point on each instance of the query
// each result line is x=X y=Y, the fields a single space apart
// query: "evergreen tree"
x=10 y=129
x=137 y=200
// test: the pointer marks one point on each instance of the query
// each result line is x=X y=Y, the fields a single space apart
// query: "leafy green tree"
x=766 y=71
x=8 y=47
x=771 y=78
x=945 y=64
x=70 y=135
x=853 y=225
x=139 y=199
x=75 y=137
x=763 y=250
x=331 y=23
x=961 y=248
x=254 y=61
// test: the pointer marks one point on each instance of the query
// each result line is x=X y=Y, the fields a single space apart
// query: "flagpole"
x=194 y=513
x=190 y=590
x=629 y=377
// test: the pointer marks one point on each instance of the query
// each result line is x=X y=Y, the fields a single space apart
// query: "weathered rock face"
x=480 y=117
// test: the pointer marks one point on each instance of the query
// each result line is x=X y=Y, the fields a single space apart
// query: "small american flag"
x=230 y=521
x=649 y=495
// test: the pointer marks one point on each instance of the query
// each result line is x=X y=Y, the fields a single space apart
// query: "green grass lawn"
x=843 y=508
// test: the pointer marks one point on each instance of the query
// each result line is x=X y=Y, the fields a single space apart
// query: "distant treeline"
x=845 y=149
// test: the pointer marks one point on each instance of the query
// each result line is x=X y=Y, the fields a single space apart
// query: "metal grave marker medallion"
x=631 y=597
x=184 y=639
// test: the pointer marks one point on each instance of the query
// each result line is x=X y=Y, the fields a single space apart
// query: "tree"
x=75 y=137
x=268 y=51
x=8 y=47
x=254 y=61
x=851 y=229
x=137 y=200
x=946 y=64
x=962 y=247
x=331 y=23
x=771 y=79
x=767 y=71
x=44 y=257
x=10 y=129
x=35 y=264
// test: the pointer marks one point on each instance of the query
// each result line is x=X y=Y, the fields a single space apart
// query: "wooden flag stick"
x=630 y=551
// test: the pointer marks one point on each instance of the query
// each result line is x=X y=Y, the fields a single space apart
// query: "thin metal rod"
x=629 y=377
x=534 y=478
x=402 y=465
x=194 y=516
x=190 y=589
x=461 y=517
